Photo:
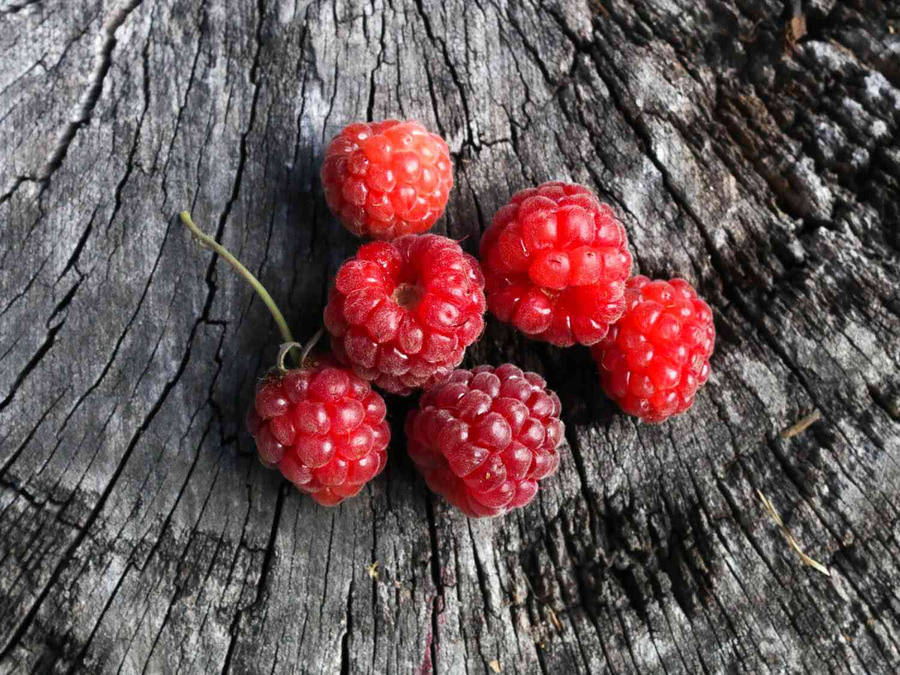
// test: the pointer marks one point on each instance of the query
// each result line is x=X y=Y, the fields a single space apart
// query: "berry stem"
x=208 y=242
x=303 y=362
x=308 y=347
x=283 y=351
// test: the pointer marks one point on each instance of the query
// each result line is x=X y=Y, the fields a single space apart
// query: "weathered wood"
x=140 y=533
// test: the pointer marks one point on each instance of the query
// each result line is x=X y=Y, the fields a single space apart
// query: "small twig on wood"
x=554 y=619
x=802 y=424
x=750 y=36
x=790 y=538
x=597 y=5
x=795 y=28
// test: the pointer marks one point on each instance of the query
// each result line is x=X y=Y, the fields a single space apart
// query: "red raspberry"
x=484 y=438
x=385 y=179
x=402 y=313
x=654 y=359
x=323 y=427
x=555 y=262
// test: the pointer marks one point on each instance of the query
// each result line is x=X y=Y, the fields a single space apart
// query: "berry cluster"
x=654 y=359
x=402 y=311
x=323 y=427
x=485 y=437
x=387 y=178
x=555 y=264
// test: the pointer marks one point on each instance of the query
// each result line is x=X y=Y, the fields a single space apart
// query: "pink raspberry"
x=656 y=357
x=485 y=437
x=555 y=262
x=402 y=313
x=386 y=179
x=323 y=427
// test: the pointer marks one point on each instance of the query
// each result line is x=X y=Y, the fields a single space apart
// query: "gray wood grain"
x=138 y=533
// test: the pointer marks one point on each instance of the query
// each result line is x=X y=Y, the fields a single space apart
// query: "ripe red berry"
x=402 y=313
x=485 y=437
x=386 y=179
x=323 y=427
x=555 y=262
x=654 y=359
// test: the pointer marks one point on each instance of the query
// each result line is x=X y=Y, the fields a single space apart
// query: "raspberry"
x=386 y=179
x=485 y=437
x=654 y=359
x=402 y=313
x=323 y=427
x=555 y=262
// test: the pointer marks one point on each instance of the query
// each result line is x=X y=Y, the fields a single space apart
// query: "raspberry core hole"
x=407 y=295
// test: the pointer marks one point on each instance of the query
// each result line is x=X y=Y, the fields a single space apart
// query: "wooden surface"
x=138 y=532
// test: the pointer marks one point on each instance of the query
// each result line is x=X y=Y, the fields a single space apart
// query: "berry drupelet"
x=485 y=437
x=323 y=428
x=386 y=179
x=656 y=357
x=555 y=261
x=402 y=313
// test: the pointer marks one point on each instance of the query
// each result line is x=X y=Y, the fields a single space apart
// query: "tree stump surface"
x=140 y=533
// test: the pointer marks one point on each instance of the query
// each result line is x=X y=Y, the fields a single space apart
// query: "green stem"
x=207 y=241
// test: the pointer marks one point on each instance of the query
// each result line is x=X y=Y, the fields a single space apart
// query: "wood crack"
x=92 y=93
